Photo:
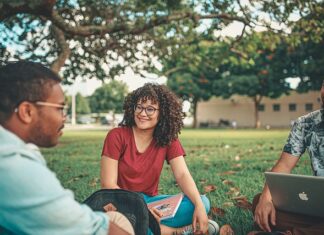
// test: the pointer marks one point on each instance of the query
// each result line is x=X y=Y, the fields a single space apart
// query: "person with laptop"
x=307 y=133
x=32 y=115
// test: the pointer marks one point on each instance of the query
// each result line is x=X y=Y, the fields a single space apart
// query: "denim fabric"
x=185 y=211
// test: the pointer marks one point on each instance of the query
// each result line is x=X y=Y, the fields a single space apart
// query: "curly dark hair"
x=23 y=81
x=170 y=111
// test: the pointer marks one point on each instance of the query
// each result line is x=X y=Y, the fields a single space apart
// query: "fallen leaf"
x=238 y=165
x=203 y=181
x=228 y=182
x=226 y=229
x=243 y=203
x=228 y=204
x=93 y=182
x=242 y=197
x=217 y=211
x=227 y=173
x=209 y=188
x=234 y=191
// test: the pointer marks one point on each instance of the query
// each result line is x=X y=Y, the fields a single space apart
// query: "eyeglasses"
x=148 y=110
x=63 y=108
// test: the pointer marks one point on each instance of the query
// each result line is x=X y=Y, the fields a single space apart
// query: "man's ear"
x=25 y=112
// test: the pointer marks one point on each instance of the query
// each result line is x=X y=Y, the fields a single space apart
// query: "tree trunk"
x=113 y=120
x=257 y=101
x=194 y=113
x=64 y=50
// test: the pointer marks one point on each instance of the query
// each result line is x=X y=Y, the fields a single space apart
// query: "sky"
x=133 y=81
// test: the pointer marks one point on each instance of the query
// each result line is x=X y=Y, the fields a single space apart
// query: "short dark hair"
x=170 y=111
x=23 y=81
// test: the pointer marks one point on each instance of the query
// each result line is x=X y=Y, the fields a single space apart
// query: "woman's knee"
x=206 y=203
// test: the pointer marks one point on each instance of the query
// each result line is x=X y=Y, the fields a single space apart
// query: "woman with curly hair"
x=134 y=153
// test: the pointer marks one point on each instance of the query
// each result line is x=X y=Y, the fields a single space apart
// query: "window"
x=276 y=107
x=309 y=107
x=292 y=107
x=261 y=107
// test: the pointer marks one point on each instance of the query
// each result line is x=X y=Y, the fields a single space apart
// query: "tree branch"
x=10 y=8
x=173 y=70
x=133 y=29
x=64 y=50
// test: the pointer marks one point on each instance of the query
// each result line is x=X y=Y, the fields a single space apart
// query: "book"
x=168 y=206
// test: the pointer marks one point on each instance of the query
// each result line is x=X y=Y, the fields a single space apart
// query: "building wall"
x=241 y=110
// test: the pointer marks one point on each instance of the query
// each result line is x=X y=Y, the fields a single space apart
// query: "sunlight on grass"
x=230 y=161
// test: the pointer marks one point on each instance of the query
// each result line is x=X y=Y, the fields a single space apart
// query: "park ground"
x=227 y=166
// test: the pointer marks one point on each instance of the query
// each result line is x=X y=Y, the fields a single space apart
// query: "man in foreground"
x=307 y=133
x=32 y=115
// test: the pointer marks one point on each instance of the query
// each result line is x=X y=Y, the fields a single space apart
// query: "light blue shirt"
x=32 y=200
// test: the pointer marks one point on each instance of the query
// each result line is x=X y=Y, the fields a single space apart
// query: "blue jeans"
x=184 y=214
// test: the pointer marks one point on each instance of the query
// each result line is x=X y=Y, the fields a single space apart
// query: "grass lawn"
x=226 y=164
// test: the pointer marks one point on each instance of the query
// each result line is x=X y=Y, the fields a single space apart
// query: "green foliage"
x=109 y=97
x=81 y=104
x=306 y=60
x=260 y=72
x=210 y=154
x=102 y=38
x=186 y=74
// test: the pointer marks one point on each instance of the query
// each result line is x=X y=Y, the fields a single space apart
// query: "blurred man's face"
x=50 y=120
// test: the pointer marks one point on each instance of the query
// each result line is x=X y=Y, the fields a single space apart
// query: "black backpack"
x=130 y=204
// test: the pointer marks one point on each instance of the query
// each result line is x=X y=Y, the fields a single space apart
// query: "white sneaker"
x=213 y=229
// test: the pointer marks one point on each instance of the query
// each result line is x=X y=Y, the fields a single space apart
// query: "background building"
x=238 y=111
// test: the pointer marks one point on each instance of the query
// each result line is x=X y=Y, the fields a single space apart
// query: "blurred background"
x=234 y=63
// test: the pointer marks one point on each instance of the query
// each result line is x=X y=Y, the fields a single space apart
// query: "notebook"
x=297 y=193
x=168 y=206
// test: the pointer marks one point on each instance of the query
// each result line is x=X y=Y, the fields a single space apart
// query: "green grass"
x=210 y=154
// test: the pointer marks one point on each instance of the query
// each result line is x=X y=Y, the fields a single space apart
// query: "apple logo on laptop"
x=303 y=196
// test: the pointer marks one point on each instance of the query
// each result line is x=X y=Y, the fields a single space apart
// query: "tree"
x=82 y=104
x=95 y=38
x=100 y=38
x=186 y=75
x=109 y=97
x=261 y=71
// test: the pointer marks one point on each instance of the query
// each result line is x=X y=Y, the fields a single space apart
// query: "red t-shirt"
x=139 y=172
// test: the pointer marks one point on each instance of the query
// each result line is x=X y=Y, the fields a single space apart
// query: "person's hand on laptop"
x=265 y=212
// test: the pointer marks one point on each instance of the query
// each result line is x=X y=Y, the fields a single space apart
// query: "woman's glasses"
x=149 y=110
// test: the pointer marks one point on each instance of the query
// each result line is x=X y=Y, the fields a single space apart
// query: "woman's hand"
x=200 y=220
x=157 y=214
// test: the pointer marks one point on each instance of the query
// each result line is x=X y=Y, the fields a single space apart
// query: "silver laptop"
x=297 y=193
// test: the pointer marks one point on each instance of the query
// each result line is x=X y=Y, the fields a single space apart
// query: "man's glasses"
x=63 y=108
x=148 y=110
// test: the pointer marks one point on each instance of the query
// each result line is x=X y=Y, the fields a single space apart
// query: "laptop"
x=297 y=193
